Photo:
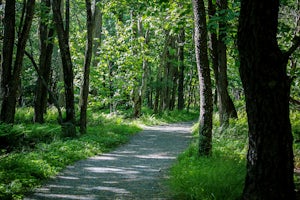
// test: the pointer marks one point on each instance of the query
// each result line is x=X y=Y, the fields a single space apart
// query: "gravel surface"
x=136 y=170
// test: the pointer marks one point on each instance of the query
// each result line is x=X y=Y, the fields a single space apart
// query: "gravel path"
x=136 y=170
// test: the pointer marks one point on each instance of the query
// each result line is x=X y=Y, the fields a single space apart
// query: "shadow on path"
x=136 y=170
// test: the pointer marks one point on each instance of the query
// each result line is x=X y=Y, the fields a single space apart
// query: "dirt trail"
x=136 y=170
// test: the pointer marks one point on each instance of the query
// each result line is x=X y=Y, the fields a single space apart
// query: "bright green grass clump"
x=220 y=176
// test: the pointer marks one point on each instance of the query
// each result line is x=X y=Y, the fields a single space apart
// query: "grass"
x=38 y=152
x=220 y=176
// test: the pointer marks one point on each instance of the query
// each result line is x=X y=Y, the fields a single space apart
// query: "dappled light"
x=137 y=170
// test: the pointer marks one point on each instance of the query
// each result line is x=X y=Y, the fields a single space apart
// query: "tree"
x=84 y=92
x=9 y=22
x=63 y=41
x=263 y=70
x=11 y=76
x=46 y=33
x=219 y=57
x=181 y=41
x=206 y=107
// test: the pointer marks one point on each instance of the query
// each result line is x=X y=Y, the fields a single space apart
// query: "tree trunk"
x=63 y=41
x=173 y=75
x=267 y=88
x=46 y=49
x=139 y=92
x=9 y=22
x=97 y=34
x=181 y=41
x=218 y=54
x=226 y=106
x=206 y=107
x=10 y=98
x=84 y=92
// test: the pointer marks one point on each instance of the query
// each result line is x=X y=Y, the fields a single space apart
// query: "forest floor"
x=136 y=170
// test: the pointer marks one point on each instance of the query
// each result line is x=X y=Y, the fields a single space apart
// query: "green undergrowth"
x=221 y=176
x=148 y=118
x=37 y=152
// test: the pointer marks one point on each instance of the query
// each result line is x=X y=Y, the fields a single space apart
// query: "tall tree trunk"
x=206 y=105
x=9 y=22
x=267 y=88
x=226 y=106
x=139 y=91
x=46 y=48
x=84 y=92
x=10 y=98
x=181 y=41
x=173 y=73
x=219 y=59
x=97 y=34
x=63 y=41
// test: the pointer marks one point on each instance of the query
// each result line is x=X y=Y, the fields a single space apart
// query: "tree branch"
x=56 y=104
x=293 y=48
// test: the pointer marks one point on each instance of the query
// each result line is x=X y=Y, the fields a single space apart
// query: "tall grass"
x=220 y=176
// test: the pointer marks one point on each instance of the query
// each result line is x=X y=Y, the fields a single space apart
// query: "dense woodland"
x=129 y=58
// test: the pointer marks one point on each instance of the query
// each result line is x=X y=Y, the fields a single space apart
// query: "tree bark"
x=84 y=92
x=97 y=34
x=46 y=49
x=140 y=90
x=63 y=41
x=9 y=22
x=206 y=106
x=267 y=87
x=10 y=98
x=181 y=41
x=218 y=50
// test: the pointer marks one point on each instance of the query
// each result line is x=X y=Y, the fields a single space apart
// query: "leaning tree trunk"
x=10 y=98
x=63 y=40
x=46 y=33
x=84 y=92
x=267 y=89
x=206 y=107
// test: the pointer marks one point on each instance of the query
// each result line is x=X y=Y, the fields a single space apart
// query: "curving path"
x=136 y=170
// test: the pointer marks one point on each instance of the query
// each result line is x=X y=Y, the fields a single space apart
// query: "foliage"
x=43 y=152
x=220 y=176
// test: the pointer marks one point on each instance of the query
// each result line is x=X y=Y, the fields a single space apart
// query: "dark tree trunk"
x=206 y=106
x=226 y=106
x=84 y=92
x=267 y=88
x=46 y=49
x=173 y=77
x=10 y=98
x=219 y=58
x=181 y=41
x=63 y=41
x=9 y=22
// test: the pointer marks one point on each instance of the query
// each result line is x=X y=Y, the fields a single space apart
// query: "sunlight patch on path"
x=136 y=170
